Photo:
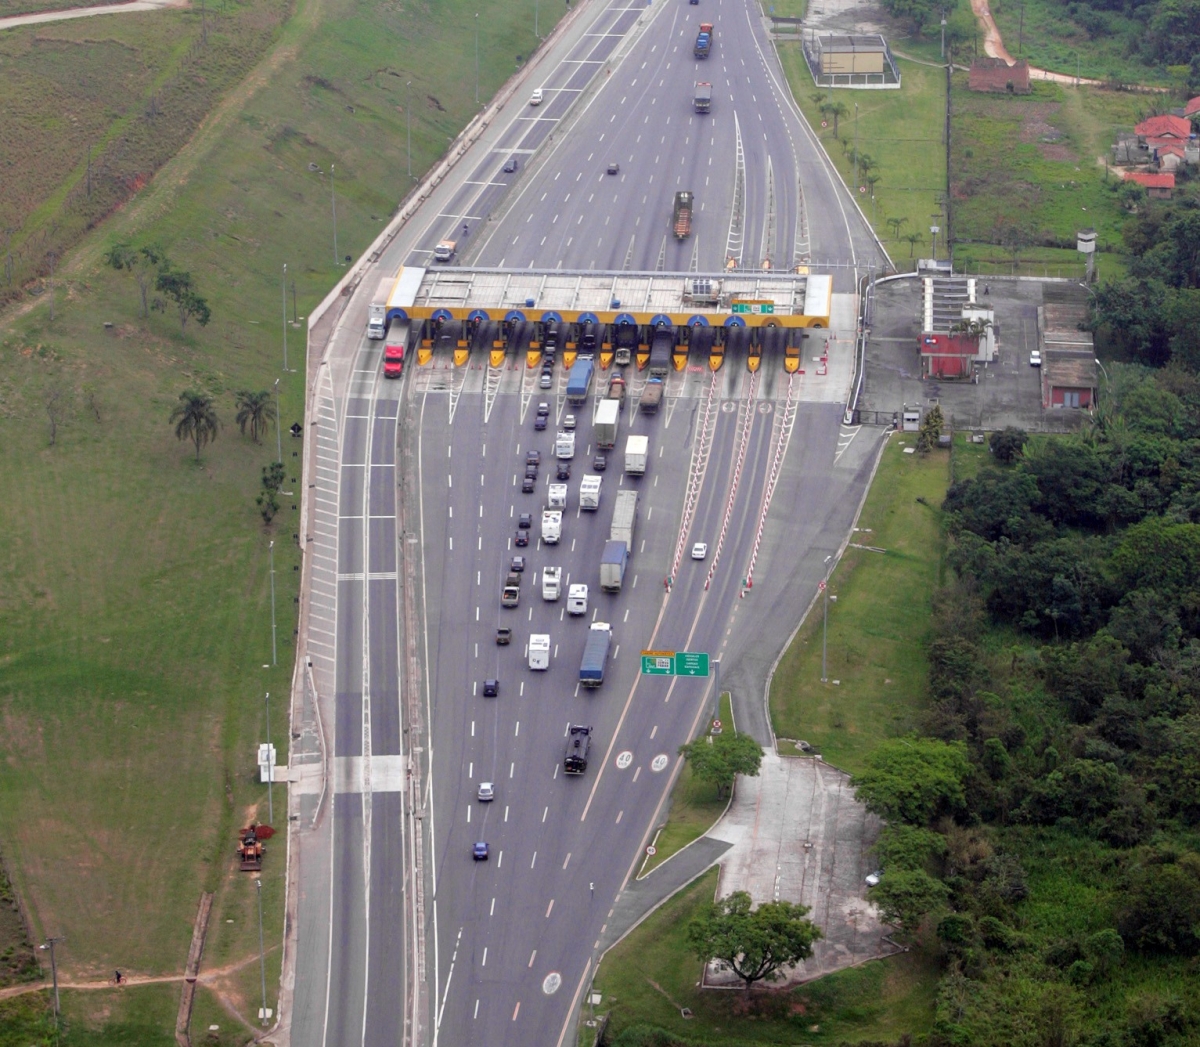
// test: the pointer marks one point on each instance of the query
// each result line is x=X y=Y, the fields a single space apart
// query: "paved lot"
x=797 y=834
x=1007 y=391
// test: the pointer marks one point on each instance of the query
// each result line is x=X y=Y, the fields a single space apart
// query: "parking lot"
x=1006 y=391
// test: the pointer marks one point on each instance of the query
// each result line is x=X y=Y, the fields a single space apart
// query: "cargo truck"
x=661 y=347
x=556 y=497
x=539 y=651
x=703 y=98
x=564 y=444
x=580 y=381
x=681 y=218
x=377 y=311
x=510 y=595
x=605 y=424
x=652 y=394
x=444 y=251
x=637 y=448
x=551 y=582
x=551 y=526
x=589 y=493
x=624 y=518
x=393 y=360
x=577 y=596
x=595 y=655
x=612 y=566
x=704 y=41
x=579 y=741
x=616 y=389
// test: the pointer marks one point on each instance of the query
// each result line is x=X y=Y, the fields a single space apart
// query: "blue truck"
x=704 y=41
x=595 y=655
x=580 y=381
x=612 y=566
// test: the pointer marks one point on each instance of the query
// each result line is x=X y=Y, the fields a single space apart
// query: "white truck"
x=539 y=651
x=377 y=313
x=589 y=492
x=551 y=526
x=637 y=448
x=605 y=424
x=564 y=444
x=556 y=498
x=551 y=583
x=624 y=519
x=577 y=599
x=444 y=251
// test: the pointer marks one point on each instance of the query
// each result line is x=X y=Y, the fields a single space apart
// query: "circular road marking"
x=659 y=763
x=652 y=850
x=728 y=406
x=624 y=760
x=551 y=983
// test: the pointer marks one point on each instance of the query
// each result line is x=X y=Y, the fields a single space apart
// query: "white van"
x=577 y=599
x=539 y=651
x=551 y=582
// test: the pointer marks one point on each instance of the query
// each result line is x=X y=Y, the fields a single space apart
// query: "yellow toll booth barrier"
x=791 y=359
x=425 y=351
x=643 y=357
x=496 y=357
x=532 y=357
x=755 y=358
x=569 y=358
x=680 y=357
x=606 y=358
x=716 y=357
x=461 y=354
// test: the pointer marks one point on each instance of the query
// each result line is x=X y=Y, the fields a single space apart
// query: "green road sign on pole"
x=691 y=663
x=658 y=663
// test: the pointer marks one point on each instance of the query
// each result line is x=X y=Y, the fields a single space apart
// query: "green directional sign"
x=766 y=307
x=658 y=663
x=691 y=663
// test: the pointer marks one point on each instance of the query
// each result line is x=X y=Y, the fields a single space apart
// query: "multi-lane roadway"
x=416 y=942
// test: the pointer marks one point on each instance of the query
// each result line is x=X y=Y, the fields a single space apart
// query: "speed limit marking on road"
x=659 y=763
x=624 y=760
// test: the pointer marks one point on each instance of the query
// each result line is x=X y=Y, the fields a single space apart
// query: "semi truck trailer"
x=661 y=347
x=580 y=381
x=605 y=424
x=595 y=655
x=652 y=394
x=681 y=218
x=612 y=566
x=704 y=41
x=624 y=518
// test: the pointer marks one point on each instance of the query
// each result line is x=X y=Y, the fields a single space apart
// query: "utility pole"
x=856 y=147
x=408 y=114
x=333 y=200
x=278 y=423
x=535 y=19
x=283 y=285
x=825 y=624
x=943 y=34
x=1021 y=33
x=50 y=943
x=476 y=57
x=271 y=776
x=262 y=956
x=274 y=649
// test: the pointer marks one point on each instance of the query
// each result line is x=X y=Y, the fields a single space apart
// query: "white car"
x=569 y=423
x=536 y=97
x=700 y=550
x=1035 y=358
x=874 y=878
x=487 y=792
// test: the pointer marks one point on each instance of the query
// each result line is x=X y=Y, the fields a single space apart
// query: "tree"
x=267 y=501
x=720 y=758
x=896 y=224
x=255 y=412
x=903 y=846
x=1008 y=445
x=755 y=943
x=906 y=896
x=914 y=779
x=195 y=419
x=912 y=239
x=178 y=286
x=836 y=110
x=931 y=429
x=143 y=262
x=1161 y=910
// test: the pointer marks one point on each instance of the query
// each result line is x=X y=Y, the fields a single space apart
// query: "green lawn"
x=695 y=806
x=135 y=612
x=901 y=131
x=651 y=975
x=879 y=624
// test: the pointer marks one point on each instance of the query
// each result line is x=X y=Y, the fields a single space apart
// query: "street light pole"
x=825 y=624
x=271 y=775
x=476 y=57
x=274 y=649
x=284 y=285
x=856 y=147
x=50 y=943
x=535 y=19
x=333 y=202
x=408 y=114
x=262 y=956
x=278 y=423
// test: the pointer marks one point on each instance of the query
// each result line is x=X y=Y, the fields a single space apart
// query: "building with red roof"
x=1162 y=130
x=1158 y=186
x=1192 y=108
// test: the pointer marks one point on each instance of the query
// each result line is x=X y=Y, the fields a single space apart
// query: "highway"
x=510 y=942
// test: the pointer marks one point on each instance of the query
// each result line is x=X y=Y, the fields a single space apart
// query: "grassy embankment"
x=135 y=615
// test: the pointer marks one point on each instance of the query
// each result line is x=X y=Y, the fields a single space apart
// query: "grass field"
x=651 y=975
x=695 y=806
x=901 y=131
x=1029 y=172
x=878 y=626
x=135 y=614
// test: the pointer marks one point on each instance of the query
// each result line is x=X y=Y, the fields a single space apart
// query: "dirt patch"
x=1037 y=128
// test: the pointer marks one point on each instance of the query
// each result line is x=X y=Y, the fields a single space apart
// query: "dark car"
x=518 y=563
x=504 y=636
x=491 y=688
x=564 y=471
x=480 y=851
x=511 y=166
x=613 y=168
x=533 y=457
x=539 y=423
x=521 y=539
x=528 y=485
x=543 y=409
x=531 y=472
x=525 y=521
x=600 y=463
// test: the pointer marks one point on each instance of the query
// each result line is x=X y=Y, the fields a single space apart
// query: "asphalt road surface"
x=771 y=482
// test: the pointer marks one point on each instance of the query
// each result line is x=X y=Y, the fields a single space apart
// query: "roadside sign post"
x=658 y=663
x=675 y=663
x=691 y=663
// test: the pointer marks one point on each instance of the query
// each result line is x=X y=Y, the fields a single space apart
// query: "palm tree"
x=835 y=110
x=195 y=419
x=896 y=224
x=255 y=412
x=912 y=239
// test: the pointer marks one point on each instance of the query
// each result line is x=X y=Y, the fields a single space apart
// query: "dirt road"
x=87 y=12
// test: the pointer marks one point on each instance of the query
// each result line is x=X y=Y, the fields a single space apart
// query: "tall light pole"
x=476 y=57
x=50 y=943
x=271 y=776
x=278 y=423
x=408 y=113
x=856 y=147
x=284 y=286
x=262 y=956
x=535 y=20
x=333 y=202
x=825 y=625
x=274 y=649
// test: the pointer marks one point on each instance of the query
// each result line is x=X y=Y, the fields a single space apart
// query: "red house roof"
x=1171 y=147
x=1164 y=127
x=1151 y=181
x=1193 y=107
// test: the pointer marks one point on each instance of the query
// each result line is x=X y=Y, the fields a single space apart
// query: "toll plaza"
x=608 y=315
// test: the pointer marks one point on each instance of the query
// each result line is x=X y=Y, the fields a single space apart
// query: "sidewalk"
x=133 y=6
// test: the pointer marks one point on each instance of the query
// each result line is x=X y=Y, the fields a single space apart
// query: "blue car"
x=480 y=852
